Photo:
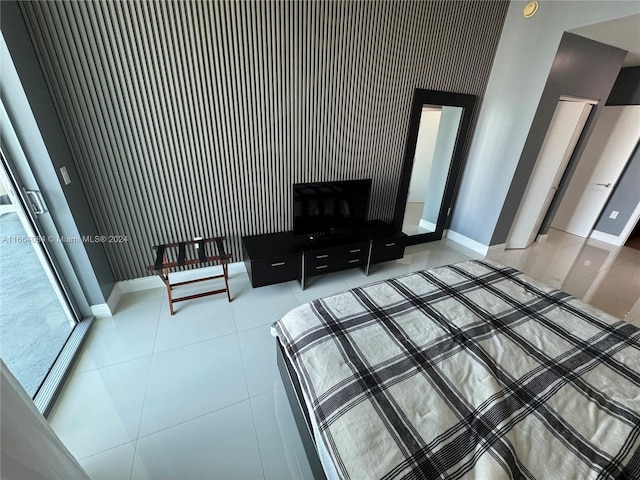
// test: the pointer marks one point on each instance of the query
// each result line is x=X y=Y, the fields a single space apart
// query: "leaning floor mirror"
x=438 y=130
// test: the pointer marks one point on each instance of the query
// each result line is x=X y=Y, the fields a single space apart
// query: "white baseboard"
x=140 y=283
x=107 y=309
x=472 y=244
x=429 y=226
x=101 y=310
x=114 y=298
x=607 y=238
x=495 y=249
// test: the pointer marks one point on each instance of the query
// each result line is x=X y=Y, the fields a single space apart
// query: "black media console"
x=283 y=256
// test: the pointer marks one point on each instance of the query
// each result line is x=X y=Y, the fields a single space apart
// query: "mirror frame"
x=433 y=97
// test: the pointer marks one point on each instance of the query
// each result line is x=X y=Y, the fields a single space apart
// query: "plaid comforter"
x=471 y=370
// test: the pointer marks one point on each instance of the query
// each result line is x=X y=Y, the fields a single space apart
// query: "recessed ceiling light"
x=530 y=9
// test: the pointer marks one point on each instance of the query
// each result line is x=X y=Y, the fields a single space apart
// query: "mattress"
x=472 y=370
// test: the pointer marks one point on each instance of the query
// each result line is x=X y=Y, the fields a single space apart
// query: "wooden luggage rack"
x=164 y=264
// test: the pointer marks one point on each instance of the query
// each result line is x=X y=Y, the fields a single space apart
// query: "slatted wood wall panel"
x=195 y=118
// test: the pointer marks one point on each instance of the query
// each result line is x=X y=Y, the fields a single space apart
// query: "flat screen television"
x=330 y=208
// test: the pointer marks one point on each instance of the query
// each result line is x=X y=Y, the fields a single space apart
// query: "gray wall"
x=626 y=90
x=442 y=155
x=511 y=105
x=195 y=118
x=68 y=205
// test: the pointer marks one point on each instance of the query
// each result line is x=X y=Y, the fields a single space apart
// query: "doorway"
x=562 y=136
x=606 y=154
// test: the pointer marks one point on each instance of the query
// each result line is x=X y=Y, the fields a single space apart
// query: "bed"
x=472 y=370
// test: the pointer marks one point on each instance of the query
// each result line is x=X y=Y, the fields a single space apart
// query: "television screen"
x=327 y=206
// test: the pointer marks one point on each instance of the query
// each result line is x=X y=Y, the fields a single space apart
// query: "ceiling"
x=622 y=32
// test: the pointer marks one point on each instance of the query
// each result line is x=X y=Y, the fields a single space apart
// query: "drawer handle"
x=354 y=251
x=389 y=244
x=321 y=267
x=354 y=261
x=279 y=264
x=322 y=256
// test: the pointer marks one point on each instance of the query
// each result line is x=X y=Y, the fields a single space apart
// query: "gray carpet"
x=33 y=325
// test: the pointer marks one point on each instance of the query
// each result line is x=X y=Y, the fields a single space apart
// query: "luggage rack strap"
x=181 y=260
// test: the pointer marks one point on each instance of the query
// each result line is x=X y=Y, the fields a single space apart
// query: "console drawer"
x=275 y=270
x=355 y=255
x=330 y=259
x=384 y=250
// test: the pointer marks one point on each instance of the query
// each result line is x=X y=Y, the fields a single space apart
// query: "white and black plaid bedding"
x=471 y=370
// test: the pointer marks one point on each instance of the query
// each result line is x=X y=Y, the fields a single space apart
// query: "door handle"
x=604 y=184
x=36 y=202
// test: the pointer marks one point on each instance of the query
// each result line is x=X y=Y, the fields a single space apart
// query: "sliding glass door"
x=36 y=315
x=41 y=297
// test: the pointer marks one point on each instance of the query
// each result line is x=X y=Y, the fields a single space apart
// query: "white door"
x=609 y=147
x=562 y=136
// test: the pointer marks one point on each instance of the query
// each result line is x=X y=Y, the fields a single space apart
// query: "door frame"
x=52 y=385
x=21 y=176
x=15 y=162
x=571 y=165
x=613 y=121
x=36 y=232
x=562 y=171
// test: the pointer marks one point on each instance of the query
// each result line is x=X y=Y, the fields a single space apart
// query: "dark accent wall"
x=582 y=68
x=626 y=90
x=195 y=118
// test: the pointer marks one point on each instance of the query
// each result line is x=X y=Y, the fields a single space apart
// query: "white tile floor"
x=198 y=394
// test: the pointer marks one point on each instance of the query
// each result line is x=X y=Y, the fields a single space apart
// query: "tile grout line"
x=197 y=342
x=112 y=364
x=86 y=346
x=144 y=395
x=253 y=419
x=182 y=422
x=104 y=451
x=255 y=431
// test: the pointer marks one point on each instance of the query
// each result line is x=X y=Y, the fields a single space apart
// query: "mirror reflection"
x=436 y=141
